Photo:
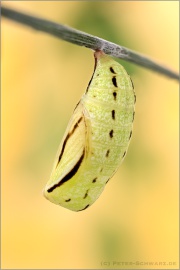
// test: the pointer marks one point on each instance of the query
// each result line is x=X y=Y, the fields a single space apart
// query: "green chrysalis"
x=97 y=137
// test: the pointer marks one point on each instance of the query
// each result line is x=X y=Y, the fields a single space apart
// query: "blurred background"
x=134 y=223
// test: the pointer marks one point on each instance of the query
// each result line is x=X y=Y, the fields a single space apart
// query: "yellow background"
x=136 y=217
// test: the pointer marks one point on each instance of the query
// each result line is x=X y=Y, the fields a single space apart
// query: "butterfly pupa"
x=96 y=139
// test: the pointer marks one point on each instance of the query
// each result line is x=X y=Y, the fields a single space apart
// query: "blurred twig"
x=87 y=40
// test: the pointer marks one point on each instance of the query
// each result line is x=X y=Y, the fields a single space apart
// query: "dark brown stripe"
x=124 y=154
x=67 y=138
x=68 y=200
x=85 y=194
x=130 y=135
x=69 y=175
x=133 y=116
x=75 y=126
x=132 y=83
x=84 y=208
x=114 y=81
x=134 y=98
x=76 y=105
x=89 y=83
x=95 y=65
x=107 y=181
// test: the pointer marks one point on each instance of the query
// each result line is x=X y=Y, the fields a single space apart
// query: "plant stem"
x=83 y=39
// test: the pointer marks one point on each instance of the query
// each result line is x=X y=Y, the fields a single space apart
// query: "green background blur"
x=136 y=217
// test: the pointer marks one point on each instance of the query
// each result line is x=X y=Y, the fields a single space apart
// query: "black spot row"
x=94 y=180
x=111 y=133
x=86 y=194
x=114 y=95
x=113 y=114
x=112 y=70
x=114 y=81
x=107 y=153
